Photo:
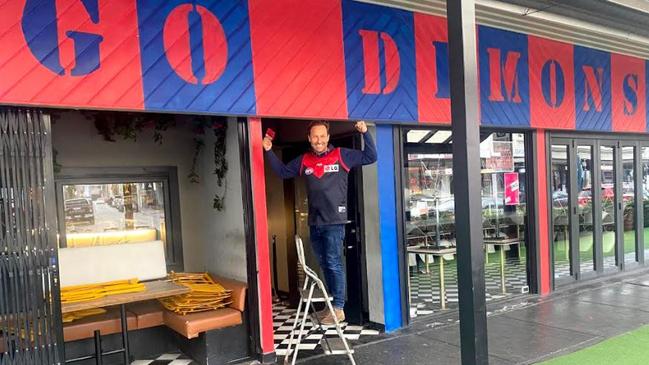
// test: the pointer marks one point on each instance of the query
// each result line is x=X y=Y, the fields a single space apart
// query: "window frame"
x=114 y=175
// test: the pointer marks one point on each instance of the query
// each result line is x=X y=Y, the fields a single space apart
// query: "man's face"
x=319 y=138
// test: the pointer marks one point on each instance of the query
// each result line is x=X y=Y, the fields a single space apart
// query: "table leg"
x=486 y=254
x=502 y=269
x=427 y=263
x=122 y=312
x=442 y=285
x=98 y=357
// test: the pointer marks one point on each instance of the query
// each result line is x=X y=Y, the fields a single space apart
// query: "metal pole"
x=466 y=182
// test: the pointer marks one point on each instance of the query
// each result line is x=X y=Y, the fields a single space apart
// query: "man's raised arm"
x=353 y=158
x=292 y=169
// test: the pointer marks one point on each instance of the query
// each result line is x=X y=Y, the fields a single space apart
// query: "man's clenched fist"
x=267 y=143
x=361 y=126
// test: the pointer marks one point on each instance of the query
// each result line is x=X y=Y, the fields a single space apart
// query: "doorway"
x=594 y=187
x=288 y=216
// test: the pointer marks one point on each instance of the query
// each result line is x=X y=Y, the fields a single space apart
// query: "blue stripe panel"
x=593 y=71
x=504 y=78
x=185 y=71
x=388 y=220
x=399 y=104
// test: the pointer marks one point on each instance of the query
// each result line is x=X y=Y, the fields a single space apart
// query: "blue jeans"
x=327 y=243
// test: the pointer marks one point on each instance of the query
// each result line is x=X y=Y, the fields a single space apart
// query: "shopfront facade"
x=557 y=120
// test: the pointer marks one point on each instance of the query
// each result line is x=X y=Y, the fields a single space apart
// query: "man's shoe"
x=316 y=317
x=328 y=319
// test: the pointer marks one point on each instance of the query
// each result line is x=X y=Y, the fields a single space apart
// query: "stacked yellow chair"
x=205 y=295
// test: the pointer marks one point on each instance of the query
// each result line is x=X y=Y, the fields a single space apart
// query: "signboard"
x=512 y=192
x=501 y=158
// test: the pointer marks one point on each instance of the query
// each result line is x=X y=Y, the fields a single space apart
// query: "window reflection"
x=104 y=214
x=430 y=216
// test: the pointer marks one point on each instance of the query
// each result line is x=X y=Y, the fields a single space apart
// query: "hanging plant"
x=129 y=125
x=220 y=162
x=193 y=176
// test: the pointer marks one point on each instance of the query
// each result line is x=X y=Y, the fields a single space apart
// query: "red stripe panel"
x=298 y=60
x=628 y=93
x=429 y=29
x=542 y=214
x=555 y=109
x=261 y=235
x=117 y=83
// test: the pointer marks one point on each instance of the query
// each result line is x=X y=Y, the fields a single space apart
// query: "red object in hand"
x=270 y=133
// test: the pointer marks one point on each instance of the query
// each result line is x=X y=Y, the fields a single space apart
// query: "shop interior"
x=430 y=220
x=142 y=198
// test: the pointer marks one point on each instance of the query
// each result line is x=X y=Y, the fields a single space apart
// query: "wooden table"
x=502 y=242
x=154 y=290
x=439 y=252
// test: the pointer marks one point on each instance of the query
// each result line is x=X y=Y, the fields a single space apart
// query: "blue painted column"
x=388 y=222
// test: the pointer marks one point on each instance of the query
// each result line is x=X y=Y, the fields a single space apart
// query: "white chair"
x=313 y=291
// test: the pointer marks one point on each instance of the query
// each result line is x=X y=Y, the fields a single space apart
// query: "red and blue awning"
x=309 y=59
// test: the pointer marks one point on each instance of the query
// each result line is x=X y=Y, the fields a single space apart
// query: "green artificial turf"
x=627 y=349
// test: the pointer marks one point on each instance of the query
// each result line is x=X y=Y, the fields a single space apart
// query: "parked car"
x=79 y=210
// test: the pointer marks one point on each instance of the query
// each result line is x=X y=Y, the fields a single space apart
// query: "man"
x=326 y=169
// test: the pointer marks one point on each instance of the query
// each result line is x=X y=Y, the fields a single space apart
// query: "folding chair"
x=313 y=291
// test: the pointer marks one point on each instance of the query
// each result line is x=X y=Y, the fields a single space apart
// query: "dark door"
x=353 y=245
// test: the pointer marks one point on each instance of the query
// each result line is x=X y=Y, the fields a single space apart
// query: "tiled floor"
x=166 y=359
x=425 y=289
x=562 y=267
x=312 y=342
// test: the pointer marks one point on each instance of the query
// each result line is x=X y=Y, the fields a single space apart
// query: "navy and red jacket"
x=326 y=178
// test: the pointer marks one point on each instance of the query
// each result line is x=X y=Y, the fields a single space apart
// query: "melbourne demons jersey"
x=326 y=179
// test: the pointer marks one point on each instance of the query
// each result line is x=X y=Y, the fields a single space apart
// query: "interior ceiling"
x=620 y=26
x=626 y=15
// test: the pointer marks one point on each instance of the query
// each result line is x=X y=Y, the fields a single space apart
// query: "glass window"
x=115 y=213
x=607 y=191
x=628 y=203
x=645 y=199
x=559 y=184
x=429 y=205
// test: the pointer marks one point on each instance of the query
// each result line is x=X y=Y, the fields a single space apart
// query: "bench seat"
x=192 y=325
x=148 y=314
x=107 y=323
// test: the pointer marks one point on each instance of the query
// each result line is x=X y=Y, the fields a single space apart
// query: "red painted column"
x=542 y=220
x=261 y=235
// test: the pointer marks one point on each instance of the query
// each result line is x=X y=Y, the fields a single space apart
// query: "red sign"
x=511 y=188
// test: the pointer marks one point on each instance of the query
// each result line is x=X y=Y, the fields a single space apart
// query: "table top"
x=502 y=241
x=154 y=289
x=432 y=250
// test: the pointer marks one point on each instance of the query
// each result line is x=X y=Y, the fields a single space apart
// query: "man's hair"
x=317 y=123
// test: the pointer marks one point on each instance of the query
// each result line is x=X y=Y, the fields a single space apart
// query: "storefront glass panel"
x=607 y=186
x=585 y=208
x=559 y=184
x=430 y=217
x=628 y=203
x=645 y=199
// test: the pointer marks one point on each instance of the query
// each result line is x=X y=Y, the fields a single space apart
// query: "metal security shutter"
x=30 y=323
x=538 y=22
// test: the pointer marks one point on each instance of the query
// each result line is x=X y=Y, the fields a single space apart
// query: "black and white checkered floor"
x=312 y=341
x=166 y=359
x=562 y=267
x=425 y=289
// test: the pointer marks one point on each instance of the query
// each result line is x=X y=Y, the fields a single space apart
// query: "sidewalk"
x=524 y=331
